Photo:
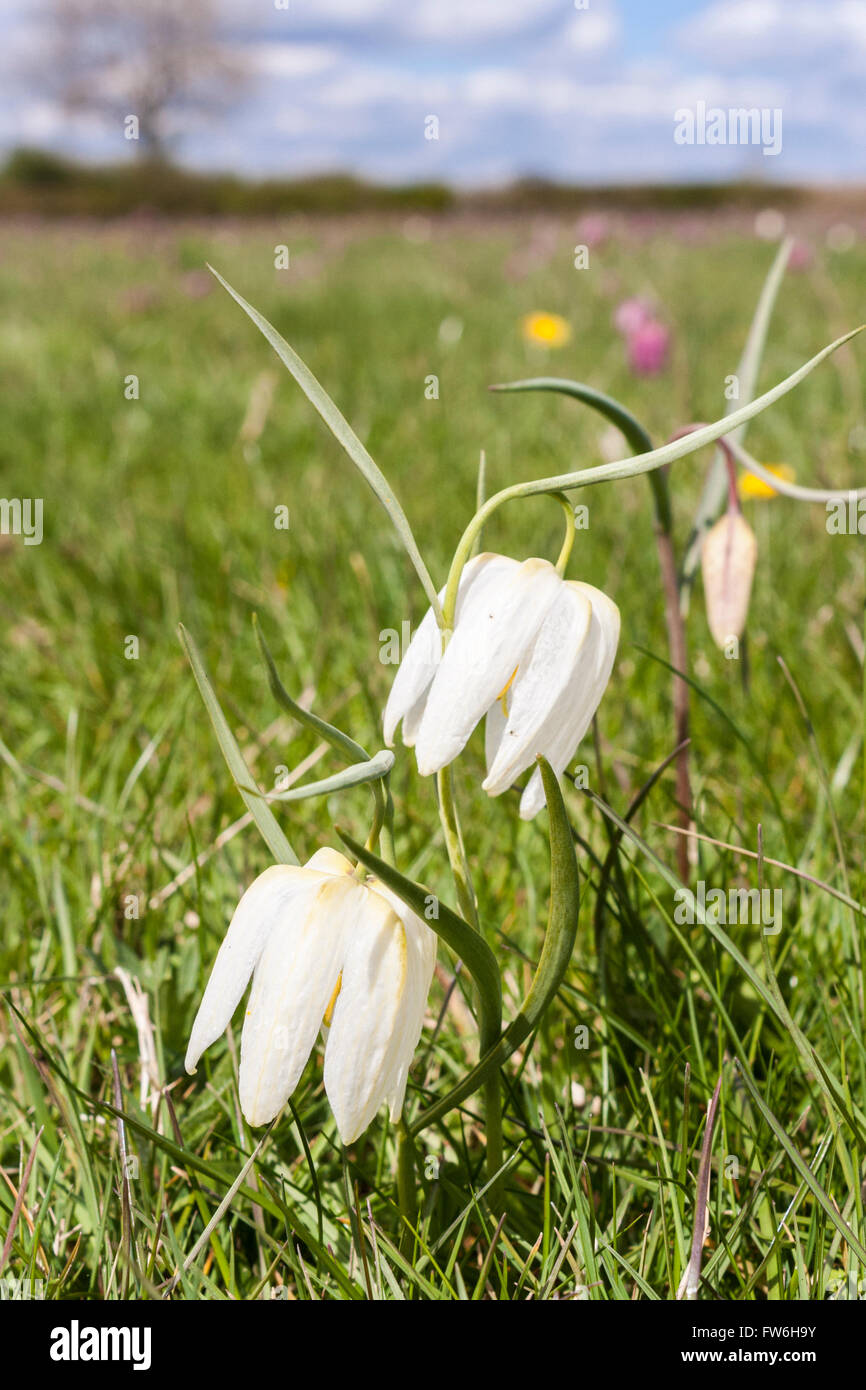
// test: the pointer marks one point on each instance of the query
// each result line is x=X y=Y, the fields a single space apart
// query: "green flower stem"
x=568 y=542
x=454 y=846
x=406 y=1188
x=469 y=946
x=556 y=953
x=487 y=1035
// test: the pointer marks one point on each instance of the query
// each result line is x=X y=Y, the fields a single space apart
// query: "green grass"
x=157 y=511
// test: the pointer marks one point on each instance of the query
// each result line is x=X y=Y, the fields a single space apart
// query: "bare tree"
x=153 y=60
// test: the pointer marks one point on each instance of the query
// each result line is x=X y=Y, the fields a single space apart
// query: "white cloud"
x=518 y=85
x=290 y=59
x=592 y=31
x=456 y=21
x=750 y=31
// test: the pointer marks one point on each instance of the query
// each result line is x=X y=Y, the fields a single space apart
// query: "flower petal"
x=421 y=943
x=255 y=916
x=551 y=672
x=494 y=728
x=415 y=675
x=572 y=712
x=293 y=984
x=373 y=1028
x=728 y=558
x=499 y=622
x=330 y=861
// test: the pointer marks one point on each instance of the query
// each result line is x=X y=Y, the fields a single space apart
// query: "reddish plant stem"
x=678 y=650
x=679 y=660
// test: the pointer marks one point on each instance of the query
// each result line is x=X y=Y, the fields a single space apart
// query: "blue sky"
x=517 y=87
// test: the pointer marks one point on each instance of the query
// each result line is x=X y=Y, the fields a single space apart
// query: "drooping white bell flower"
x=530 y=650
x=323 y=950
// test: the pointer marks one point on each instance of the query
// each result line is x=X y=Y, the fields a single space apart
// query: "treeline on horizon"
x=38 y=183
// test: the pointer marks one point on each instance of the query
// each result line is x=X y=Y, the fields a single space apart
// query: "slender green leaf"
x=374 y=769
x=715 y=488
x=677 y=448
x=607 y=406
x=255 y=803
x=341 y=430
x=329 y=732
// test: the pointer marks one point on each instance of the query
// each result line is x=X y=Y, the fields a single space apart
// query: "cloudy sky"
x=585 y=93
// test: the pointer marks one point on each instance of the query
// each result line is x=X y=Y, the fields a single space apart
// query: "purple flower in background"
x=647 y=348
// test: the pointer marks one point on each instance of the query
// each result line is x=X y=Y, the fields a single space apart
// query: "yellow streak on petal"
x=501 y=697
x=329 y=1012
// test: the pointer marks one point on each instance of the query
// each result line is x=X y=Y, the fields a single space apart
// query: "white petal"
x=550 y=672
x=573 y=710
x=255 y=916
x=330 y=861
x=494 y=728
x=376 y=1018
x=491 y=637
x=414 y=674
x=533 y=799
x=421 y=659
x=292 y=987
x=421 y=943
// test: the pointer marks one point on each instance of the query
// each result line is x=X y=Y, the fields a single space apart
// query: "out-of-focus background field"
x=161 y=509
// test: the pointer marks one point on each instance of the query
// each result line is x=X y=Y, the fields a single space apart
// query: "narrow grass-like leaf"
x=258 y=808
x=631 y=467
x=795 y=490
x=614 y=411
x=713 y=495
x=372 y=770
x=342 y=431
x=691 y=1279
x=341 y=742
x=607 y=406
x=678 y=448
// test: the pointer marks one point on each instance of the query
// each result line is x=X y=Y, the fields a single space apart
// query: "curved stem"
x=556 y=952
x=568 y=542
x=469 y=946
x=626 y=468
x=372 y=840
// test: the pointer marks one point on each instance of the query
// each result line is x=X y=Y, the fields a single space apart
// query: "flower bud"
x=728 y=560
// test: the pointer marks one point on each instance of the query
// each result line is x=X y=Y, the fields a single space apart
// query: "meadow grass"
x=161 y=510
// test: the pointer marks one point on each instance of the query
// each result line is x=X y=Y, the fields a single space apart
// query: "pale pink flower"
x=631 y=315
x=801 y=256
x=648 y=347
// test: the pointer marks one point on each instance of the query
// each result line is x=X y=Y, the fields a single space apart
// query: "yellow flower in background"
x=547 y=330
x=749 y=486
